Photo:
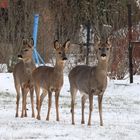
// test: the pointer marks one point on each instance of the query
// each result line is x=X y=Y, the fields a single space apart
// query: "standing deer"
x=91 y=80
x=22 y=76
x=50 y=79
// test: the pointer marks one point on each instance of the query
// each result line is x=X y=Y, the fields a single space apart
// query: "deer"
x=50 y=79
x=91 y=80
x=22 y=74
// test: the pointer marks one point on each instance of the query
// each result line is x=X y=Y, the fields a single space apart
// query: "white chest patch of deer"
x=103 y=58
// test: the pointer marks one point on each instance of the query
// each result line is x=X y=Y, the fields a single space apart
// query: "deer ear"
x=109 y=40
x=67 y=44
x=24 y=41
x=56 y=44
x=32 y=41
x=96 y=39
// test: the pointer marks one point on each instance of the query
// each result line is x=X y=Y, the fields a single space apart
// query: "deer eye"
x=60 y=53
x=107 y=49
x=99 y=48
x=25 y=50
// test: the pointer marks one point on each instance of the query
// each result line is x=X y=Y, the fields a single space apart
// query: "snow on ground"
x=121 y=115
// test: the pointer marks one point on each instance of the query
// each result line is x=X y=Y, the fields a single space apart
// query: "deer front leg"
x=57 y=104
x=23 y=102
x=25 y=98
x=17 y=98
x=49 y=104
x=90 y=108
x=32 y=100
x=100 y=97
x=83 y=100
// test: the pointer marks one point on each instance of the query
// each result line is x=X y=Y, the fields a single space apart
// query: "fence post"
x=130 y=47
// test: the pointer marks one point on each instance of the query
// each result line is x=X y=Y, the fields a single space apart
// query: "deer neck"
x=101 y=74
x=29 y=66
x=102 y=66
x=59 y=67
x=101 y=71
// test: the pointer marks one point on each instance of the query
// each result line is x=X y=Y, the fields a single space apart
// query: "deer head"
x=103 y=48
x=61 y=50
x=26 y=50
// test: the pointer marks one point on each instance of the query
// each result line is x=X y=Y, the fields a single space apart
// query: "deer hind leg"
x=100 y=97
x=83 y=101
x=37 y=90
x=43 y=95
x=90 y=108
x=32 y=100
x=24 y=96
x=57 y=104
x=49 y=104
x=73 y=96
x=17 y=86
x=38 y=103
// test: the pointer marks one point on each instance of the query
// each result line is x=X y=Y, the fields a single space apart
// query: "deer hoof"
x=73 y=123
x=82 y=122
x=47 y=119
x=101 y=124
x=57 y=120
x=89 y=124
x=16 y=115
x=33 y=115
x=38 y=117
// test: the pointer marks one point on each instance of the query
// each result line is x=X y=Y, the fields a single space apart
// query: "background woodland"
x=67 y=19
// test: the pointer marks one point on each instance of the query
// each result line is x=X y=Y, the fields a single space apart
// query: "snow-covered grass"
x=121 y=115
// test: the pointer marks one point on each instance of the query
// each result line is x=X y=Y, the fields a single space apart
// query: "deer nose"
x=19 y=56
x=103 y=55
x=64 y=58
